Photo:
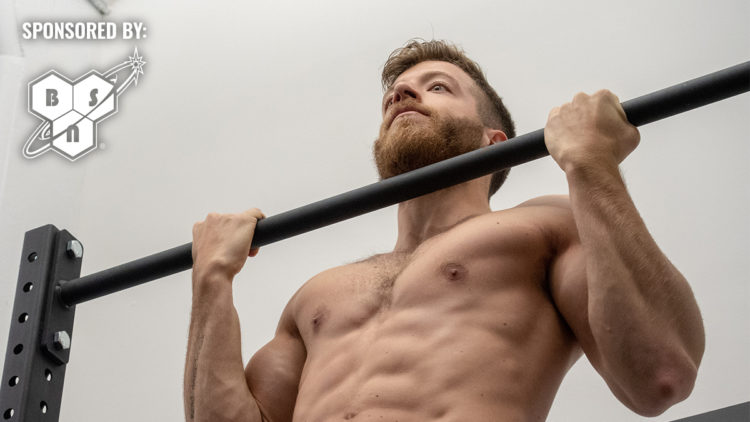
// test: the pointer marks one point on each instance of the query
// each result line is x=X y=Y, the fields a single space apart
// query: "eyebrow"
x=425 y=77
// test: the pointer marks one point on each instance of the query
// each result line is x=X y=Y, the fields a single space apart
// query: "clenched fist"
x=221 y=243
x=590 y=130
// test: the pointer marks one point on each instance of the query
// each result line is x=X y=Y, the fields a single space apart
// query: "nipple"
x=321 y=314
x=454 y=272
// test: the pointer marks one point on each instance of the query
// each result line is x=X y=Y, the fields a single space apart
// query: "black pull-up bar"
x=640 y=111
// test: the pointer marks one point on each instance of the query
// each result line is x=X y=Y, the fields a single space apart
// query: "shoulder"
x=552 y=202
x=542 y=211
x=548 y=210
x=551 y=215
x=324 y=284
x=329 y=278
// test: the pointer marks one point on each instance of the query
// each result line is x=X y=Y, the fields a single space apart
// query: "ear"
x=494 y=136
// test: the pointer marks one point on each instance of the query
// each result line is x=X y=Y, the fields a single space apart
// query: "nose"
x=402 y=90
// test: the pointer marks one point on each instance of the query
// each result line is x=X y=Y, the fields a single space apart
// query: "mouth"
x=404 y=112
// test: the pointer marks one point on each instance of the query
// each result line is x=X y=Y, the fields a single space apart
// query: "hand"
x=590 y=130
x=222 y=242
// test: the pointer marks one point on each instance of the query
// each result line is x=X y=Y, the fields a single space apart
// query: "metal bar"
x=642 y=110
x=737 y=413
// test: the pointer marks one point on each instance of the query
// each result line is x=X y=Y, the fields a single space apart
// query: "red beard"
x=415 y=141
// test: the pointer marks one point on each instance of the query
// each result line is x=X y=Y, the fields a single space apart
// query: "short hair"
x=490 y=106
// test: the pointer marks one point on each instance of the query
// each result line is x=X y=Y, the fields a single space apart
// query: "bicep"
x=570 y=292
x=569 y=288
x=273 y=373
x=567 y=270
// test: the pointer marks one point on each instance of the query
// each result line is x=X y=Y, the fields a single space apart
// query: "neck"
x=431 y=214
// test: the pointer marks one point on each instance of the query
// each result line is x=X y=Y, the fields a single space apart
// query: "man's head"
x=437 y=104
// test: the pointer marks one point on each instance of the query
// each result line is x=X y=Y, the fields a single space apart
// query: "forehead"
x=436 y=67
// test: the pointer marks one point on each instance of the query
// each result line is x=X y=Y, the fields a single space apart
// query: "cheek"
x=456 y=110
x=382 y=127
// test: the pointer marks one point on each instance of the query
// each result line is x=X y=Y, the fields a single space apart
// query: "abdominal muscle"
x=488 y=347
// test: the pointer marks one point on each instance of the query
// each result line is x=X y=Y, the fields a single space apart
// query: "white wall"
x=275 y=105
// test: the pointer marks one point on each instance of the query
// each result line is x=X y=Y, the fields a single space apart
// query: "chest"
x=454 y=270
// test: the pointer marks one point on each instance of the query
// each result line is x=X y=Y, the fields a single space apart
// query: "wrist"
x=587 y=163
x=586 y=173
x=587 y=160
x=210 y=279
x=215 y=266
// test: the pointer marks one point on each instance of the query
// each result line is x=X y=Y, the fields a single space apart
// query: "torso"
x=464 y=328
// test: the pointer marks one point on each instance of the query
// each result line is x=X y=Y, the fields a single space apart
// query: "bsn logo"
x=72 y=110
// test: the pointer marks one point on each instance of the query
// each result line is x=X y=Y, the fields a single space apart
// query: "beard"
x=415 y=142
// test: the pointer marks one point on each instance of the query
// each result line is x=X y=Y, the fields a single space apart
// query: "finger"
x=614 y=100
x=580 y=97
x=554 y=112
x=622 y=112
x=254 y=213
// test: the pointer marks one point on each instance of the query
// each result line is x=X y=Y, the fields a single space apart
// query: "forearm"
x=215 y=388
x=642 y=312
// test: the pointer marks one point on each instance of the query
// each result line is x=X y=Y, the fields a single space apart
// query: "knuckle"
x=254 y=213
x=636 y=135
x=609 y=95
x=566 y=110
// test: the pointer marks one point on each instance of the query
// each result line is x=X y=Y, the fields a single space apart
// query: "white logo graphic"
x=72 y=110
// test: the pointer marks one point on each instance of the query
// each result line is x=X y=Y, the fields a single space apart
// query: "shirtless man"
x=476 y=315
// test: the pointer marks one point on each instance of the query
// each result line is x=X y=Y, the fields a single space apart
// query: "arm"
x=274 y=372
x=216 y=388
x=632 y=311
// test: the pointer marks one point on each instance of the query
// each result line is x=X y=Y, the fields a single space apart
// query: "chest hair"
x=381 y=272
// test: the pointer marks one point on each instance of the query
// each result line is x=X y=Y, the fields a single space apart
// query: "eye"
x=387 y=103
x=438 y=87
